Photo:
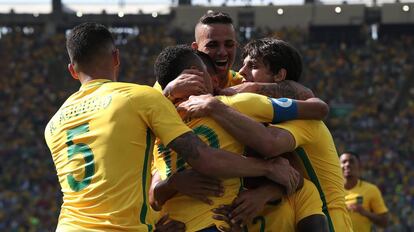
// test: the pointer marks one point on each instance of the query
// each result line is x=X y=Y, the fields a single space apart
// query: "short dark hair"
x=208 y=61
x=87 y=42
x=212 y=17
x=172 y=61
x=352 y=153
x=276 y=54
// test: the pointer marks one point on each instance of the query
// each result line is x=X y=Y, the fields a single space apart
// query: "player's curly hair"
x=172 y=61
x=87 y=42
x=276 y=54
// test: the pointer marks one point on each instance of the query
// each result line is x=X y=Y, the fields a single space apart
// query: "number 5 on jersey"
x=86 y=152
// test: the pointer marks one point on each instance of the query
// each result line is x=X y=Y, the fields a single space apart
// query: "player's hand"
x=222 y=214
x=356 y=208
x=226 y=92
x=245 y=87
x=283 y=173
x=198 y=106
x=189 y=82
x=249 y=204
x=167 y=225
x=196 y=185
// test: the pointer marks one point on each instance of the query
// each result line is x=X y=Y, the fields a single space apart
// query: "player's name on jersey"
x=90 y=105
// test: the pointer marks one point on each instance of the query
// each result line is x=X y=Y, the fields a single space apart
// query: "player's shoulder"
x=368 y=185
x=134 y=89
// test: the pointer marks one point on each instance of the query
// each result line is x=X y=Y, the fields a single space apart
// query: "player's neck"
x=351 y=182
x=87 y=77
x=223 y=81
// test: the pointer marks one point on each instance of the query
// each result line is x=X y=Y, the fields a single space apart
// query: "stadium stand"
x=368 y=85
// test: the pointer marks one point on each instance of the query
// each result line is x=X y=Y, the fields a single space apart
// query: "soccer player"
x=273 y=61
x=214 y=35
x=363 y=199
x=101 y=140
x=196 y=214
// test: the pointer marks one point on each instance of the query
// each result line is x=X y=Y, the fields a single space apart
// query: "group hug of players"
x=258 y=123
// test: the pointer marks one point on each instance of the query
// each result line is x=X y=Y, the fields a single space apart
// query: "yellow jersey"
x=369 y=196
x=101 y=142
x=194 y=213
x=316 y=149
x=286 y=215
x=233 y=78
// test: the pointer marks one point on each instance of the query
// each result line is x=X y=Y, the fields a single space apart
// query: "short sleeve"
x=377 y=204
x=159 y=114
x=256 y=106
x=304 y=131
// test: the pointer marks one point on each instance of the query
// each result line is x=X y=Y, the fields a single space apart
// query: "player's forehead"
x=347 y=157
x=252 y=60
x=216 y=32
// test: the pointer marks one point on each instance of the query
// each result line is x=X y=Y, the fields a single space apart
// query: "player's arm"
x=287 y=88
x=219 y=163
x=187 y=182
x=189 y=82
x=283 y=109
x=246 y=130
x=160 y=191
x=251 y=202
x=378 y=219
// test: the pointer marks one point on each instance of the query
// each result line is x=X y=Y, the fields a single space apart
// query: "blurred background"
x=358 y=57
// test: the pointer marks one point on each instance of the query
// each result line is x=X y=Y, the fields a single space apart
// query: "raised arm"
x=219 y=163
x=189 y=82
x=246 y=130
x=287 y=88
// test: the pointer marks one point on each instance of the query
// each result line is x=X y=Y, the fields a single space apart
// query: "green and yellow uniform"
x=101 y=142
x=289 y=212
x=194 y=213
x=317 y=152
x=233 y=78
x=369 y=196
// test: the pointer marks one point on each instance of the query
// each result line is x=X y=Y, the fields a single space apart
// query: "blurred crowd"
x=368 y=86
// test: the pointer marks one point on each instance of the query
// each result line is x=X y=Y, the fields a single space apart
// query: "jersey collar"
x=93 y=83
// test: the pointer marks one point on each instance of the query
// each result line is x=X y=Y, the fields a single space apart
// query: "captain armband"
x=284 y=109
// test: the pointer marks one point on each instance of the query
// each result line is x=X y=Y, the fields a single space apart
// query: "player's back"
x=101 y=145
x=316 y=149
x=194 y=213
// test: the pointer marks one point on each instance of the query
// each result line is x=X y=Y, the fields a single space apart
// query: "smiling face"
x=219 y=42
x=349 y=165
x=254 y=70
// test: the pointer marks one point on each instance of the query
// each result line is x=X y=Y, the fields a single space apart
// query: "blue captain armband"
x=284 y=109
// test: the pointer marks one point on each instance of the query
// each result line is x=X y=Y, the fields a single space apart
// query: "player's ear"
x=115 y=57
x=194 y=45
x=281 y=75
x=72 y=71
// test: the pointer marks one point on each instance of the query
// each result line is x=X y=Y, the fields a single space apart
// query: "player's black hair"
x=211 y=67
x=87 y=42
x=276 y=54
x=354 y=154
x=212 y=17
x=172 y=61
